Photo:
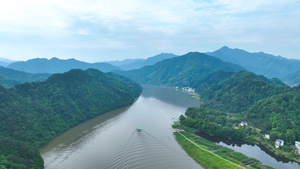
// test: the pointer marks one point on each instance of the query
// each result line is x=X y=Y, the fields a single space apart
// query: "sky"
x=105 y=30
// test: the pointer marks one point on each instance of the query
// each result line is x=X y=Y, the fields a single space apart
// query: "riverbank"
x=288 y=153
x=211 y=155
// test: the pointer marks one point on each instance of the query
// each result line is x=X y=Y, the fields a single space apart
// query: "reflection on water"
x=251 y=150
x=111 y=141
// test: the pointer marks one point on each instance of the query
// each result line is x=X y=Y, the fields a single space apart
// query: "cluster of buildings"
x=242 y=124
x=279 y=143
x=187 y=89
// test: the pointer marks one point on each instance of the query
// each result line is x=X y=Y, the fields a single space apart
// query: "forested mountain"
x=149 y=61
x=56 y=65
x=11 y=77
x=180 y=71
x=278 y=115
x=232 y=98
x=33 y=113
x=235 y=92
x=259 y=63
x=292 y=79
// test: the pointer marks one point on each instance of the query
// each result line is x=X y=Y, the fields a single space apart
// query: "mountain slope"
x=278 y=115
x=56 y=65
x=11 y=77
x=236 y=92
x=180 y=71
x=232 y=98
x=31 y=114
x=123 y=62
x=150 y=61
x=259 y=63
x=292 y=79
x=78 y=94
x=5 y=62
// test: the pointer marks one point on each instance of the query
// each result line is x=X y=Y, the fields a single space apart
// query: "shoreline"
x=210 y=155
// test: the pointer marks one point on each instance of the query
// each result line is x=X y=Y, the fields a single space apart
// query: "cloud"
x=172 y=25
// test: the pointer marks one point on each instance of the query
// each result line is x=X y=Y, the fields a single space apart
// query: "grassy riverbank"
x=211 y=155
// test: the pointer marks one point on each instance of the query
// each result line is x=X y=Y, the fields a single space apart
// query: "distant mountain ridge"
x=11 y=77
x=123 y=62
x=180 y=71
x=56 y=65
x=130 y=64
x=292 y=79
x=5 y=62
x=259 y=63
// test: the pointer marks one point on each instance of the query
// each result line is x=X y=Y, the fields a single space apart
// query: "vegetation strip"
x=208 y=150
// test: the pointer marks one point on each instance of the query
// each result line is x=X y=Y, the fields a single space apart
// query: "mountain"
x=123 y=62
x=236 y=92
x=33 y=113
x=11 y=77
x=259 y=63
x=56 y=65
x=278 y=115
x=5 y=62
x=150 y=61
x=180 y=71
x=231 y=98
x=19 y=119
x=292 y=79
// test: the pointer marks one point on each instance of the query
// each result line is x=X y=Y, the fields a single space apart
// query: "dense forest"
x=11 y=77
x=266 y=105
x=33 y=113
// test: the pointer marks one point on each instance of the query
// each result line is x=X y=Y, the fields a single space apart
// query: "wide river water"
x=111 y=140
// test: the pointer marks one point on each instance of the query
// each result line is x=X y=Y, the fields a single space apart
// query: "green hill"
x=180 y=71
x=278 y=115
x=235 y=92
x=231 y=98
x=11 y=77
x=33 y=113
x=228 y=97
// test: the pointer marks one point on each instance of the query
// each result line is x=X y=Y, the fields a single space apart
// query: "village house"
x=279 y=143
x=244 y=124
x=188 y=89
x=297 y=146
x=267 y=136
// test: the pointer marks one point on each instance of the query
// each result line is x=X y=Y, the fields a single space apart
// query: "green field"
x=211 y=155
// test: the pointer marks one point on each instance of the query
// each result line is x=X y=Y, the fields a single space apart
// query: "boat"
x=138 y=129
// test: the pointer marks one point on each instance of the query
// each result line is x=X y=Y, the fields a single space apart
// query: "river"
x=111 y=140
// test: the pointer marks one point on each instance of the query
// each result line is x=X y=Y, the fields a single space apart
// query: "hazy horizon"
x=10 y=61
x=94 y=31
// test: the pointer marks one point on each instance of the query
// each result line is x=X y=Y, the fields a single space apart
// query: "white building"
x=244 y=124
x=279 y=143
x=297 y=146
x=267 y=136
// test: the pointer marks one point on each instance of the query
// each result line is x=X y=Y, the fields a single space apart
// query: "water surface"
x=111 y=140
